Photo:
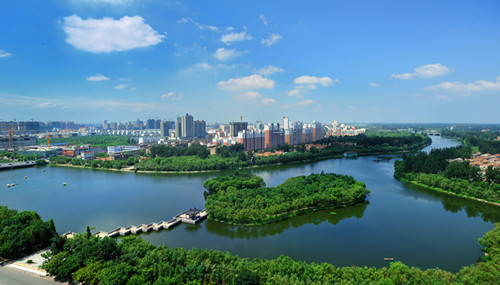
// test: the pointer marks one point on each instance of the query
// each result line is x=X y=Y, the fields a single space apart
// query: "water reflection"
x=333 y=217
x=453 y=204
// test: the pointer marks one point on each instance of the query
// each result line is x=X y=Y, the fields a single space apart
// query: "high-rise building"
x=259 y=125
x=200 y=129
x=272 y=135
x=187 y=127
x=164 y=128
x=105 y=125
x=157 y=124
x=236 y=127
x=285 y=123
x=150 y=124
x=178 y=127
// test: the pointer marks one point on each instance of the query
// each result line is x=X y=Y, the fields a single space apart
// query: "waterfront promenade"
x=20 y=164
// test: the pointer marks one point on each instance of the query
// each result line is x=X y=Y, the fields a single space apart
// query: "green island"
x=450 y=171
x=92 y=260
x=243 y=199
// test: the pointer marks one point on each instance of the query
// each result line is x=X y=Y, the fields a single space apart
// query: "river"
x=402 y=221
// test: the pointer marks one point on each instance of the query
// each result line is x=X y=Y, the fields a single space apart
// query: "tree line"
x=244 y=199
x=233 y=157
x=434 y=169
x=485 y=141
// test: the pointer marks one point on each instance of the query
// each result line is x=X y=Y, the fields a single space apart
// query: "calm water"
x=403 y=221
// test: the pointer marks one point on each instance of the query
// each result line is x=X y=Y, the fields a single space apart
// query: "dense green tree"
x=22 y=233
x=243 y=199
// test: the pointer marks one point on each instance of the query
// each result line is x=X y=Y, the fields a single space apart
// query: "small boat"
x=25 y=177
x=8 y=185
x=43 y=170
x=388 y=259
x=64 y=183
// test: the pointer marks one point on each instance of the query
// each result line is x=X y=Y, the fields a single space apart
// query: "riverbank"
x=317 y=159
x=449 y=192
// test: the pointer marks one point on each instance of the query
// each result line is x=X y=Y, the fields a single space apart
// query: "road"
x=11 y=276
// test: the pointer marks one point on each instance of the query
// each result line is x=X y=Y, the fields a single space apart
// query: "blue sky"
x=350 y=61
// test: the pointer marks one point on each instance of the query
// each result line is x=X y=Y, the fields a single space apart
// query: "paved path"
x=12 y=276
x=20 y=272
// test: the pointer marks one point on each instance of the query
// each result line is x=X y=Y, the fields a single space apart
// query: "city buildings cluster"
x=185 y=127
x=262 y=136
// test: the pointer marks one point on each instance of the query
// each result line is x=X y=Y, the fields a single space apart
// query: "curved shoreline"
x=450 y=193
x=288 y=215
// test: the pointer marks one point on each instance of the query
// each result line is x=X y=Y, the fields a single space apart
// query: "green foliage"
x=40 y=162
x=139 y=262
x=434 y=170
x=484 y=141
x=244 y=199
x=22 y=233
x=196 y=158
x=168 y=151
x=476 y=189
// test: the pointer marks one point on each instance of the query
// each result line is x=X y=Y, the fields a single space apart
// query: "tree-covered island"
x=244 y=199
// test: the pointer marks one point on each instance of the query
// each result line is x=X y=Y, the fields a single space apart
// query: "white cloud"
x=255 y=97
x=200 y=26
x=107 y=34
x=305 y=102
x=269 y=69
x=225 y=54
x=432 y=70
x=373 y=84
x=121 y=86
x=263 y=19
x=172 y=96
x=25 y=102
x=203 y=65
x=272 y=40
x=124 y=79
x=442 y=97
x=235 y=37
x=424 y=71
x=403 y=76
x=4 y=53
x=296 y=92
x=245 y=83
x=300 y=90
x=268 y=101
x=307 y=82
x=252 y=95
x=459 y=86
x=97 y=77
x=324 y=81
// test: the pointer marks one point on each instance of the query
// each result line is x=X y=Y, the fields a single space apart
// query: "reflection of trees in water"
x=316 y=218
x=488 y=213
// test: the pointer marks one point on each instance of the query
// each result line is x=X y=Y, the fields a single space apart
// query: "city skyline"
x=94 y=60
